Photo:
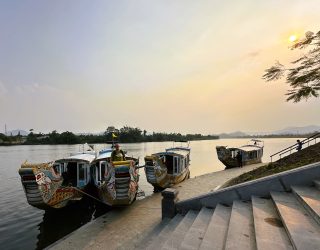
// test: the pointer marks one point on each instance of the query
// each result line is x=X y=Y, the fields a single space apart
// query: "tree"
x=110 y=129
x=304 y=76
x=68 y=138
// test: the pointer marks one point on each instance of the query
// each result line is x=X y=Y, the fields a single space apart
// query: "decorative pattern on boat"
x=43 y=186
x=122 y=189
x=110 y=186
x=47 y=186
x=160 y=168
x=134 y=179
x=158 y=176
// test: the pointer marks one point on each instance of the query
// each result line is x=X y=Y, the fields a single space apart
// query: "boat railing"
x=287 y=151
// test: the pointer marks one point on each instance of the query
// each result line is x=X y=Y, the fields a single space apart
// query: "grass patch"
x=304 y=157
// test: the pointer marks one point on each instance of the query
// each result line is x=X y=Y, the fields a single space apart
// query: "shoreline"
x=6 y=144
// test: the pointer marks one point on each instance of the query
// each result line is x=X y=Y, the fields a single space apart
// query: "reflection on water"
x=56 y=224
x=25 y=227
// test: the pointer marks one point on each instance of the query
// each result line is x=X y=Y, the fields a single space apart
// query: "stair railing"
x=294 y=146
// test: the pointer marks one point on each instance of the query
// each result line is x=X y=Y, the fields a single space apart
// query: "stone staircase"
x=283 y=220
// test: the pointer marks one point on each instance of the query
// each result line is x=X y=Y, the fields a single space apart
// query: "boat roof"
x=104 y=153
x=85 y=156
x=250 y=147
x=177 y=150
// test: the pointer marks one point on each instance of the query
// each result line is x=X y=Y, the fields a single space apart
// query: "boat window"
x=70 y=175
x=175 y=165
x=253 y=155
x=102 y=170
x=182 y=164
x=163 y=159
x=81 y=172
x=64 y=167
x=93 y=172
x=57 y=169
x=169 y=164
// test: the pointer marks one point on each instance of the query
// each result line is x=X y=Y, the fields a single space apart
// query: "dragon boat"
x=55 y=184
x=168 y=168
x=251 y=153
x=117 y=181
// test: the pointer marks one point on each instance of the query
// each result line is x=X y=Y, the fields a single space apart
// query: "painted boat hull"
x=157 y=172
x=227 y=157
x=120 y=185
x=161 y=180
x=43 y=189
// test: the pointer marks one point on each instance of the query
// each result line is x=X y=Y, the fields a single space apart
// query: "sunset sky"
x=171 y=65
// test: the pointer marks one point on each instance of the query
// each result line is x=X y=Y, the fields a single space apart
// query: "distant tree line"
x=11 y=140
x=125 y=134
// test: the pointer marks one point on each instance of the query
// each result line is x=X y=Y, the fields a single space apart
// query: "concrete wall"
x=261 y=187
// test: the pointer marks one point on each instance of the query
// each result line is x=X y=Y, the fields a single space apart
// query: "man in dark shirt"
x=239 y=159
x=117 y=154
x=299 y=145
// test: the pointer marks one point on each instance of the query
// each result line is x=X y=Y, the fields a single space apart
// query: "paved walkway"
x=124 y=228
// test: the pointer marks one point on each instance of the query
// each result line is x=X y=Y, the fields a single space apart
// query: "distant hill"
x=16 y=132
x=286 y=131
x=233 y=134
x=298 y=130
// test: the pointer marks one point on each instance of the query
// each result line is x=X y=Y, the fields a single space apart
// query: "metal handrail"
x=307 y=140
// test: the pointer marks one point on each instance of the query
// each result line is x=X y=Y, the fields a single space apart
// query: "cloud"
x=253 y=53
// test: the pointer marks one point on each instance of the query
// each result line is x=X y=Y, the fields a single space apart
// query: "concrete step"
x=269 y=230
x=178 y=234
x=241 y=230
x=152 y=234
x=195 y=234
x=303 y=231
x=317 y=184
x=215 y=236
x=160 y=239
x=310 y=199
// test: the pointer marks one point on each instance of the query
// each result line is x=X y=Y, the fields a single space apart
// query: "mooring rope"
x=79 y=190
x=139 y=191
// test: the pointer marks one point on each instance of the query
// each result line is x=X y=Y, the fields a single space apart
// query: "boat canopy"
x=88 y=157
x=255 y=142
x=104 y=153
x=249 y=148
x=176 y=151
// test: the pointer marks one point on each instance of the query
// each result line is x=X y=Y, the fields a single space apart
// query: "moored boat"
x=251 y=153
x=117 y=181
x=55 y=184
x=168 y=168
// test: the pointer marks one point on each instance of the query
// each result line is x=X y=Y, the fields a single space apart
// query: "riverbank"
x=125 y=228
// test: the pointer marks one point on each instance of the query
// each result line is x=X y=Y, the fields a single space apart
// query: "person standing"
x=117 y=154
x=239 y=159
x=299 y=145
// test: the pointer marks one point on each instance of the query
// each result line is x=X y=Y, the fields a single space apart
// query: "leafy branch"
x=304 y=76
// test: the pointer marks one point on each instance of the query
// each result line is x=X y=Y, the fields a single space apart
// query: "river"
x=25 y=227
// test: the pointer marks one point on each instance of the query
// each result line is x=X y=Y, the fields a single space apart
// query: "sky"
x=165 y=65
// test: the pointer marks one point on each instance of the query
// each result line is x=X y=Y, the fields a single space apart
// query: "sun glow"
x=293 y=38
